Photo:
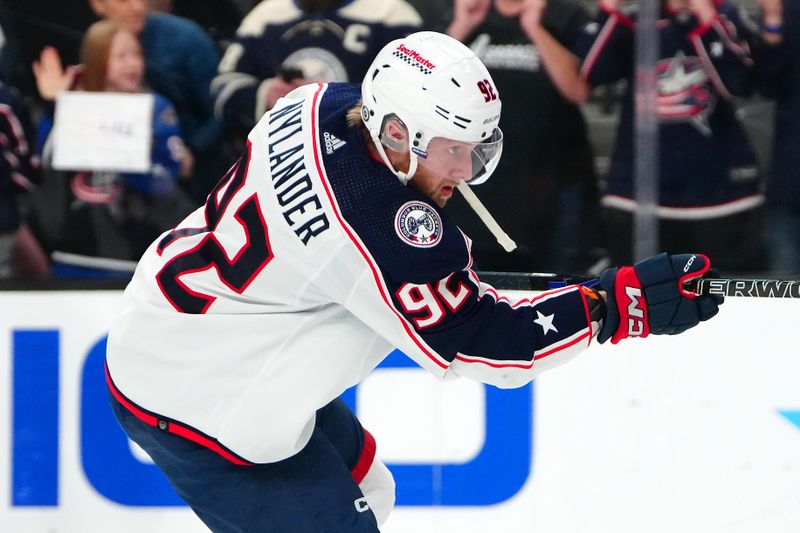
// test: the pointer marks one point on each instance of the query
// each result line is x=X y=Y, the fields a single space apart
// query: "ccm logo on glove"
x=636 y=323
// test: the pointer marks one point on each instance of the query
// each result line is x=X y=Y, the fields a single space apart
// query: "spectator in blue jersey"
x=19 y=172
x=778 y=65
x=111 y=217
x=282 y=44
x=548 y=162
x=710 y=190
x=180 y=62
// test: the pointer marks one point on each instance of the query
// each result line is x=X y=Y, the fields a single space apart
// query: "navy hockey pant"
x=328 y=487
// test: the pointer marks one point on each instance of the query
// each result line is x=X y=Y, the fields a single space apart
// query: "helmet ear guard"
x=382 y=139
x=394 y=140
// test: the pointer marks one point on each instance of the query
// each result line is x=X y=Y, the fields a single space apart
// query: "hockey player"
x=323 y=249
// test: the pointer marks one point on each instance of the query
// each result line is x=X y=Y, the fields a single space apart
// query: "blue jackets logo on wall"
x=500 y=469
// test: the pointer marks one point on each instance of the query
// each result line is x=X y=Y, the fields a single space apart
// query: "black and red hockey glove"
x=649 y=297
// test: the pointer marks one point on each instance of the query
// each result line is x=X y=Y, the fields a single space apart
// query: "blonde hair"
x=353 y=120
x=353 y=116
x=95 y=51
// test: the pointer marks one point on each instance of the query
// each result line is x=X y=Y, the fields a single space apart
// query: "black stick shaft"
x=746 y=288
x=730 y=287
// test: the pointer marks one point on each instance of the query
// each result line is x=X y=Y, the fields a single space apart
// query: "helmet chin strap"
x=404 y=177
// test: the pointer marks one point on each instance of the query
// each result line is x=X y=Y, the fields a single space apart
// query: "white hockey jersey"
x=309 y=263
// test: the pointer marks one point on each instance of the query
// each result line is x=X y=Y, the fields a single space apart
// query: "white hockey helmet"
x=439 y=89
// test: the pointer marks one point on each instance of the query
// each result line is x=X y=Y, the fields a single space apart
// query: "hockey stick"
x=746 y=288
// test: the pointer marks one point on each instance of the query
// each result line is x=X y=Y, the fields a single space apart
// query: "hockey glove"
x=649 y=297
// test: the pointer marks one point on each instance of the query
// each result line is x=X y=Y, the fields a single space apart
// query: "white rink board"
x=658 y=435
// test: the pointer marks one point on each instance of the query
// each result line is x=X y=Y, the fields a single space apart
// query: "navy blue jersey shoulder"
x=409 y=237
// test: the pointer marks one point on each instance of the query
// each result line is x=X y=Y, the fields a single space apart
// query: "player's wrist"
x=595 y=304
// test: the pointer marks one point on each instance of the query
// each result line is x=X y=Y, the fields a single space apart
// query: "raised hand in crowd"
x=467 y=15
x=51 y=76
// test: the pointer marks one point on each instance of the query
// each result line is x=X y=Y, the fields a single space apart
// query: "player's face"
x=125 y=63
x=129 y=13
x=448 y=162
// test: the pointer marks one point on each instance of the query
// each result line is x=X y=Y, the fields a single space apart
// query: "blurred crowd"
x=728 y=111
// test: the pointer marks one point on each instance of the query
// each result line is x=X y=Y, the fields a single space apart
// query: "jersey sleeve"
x=450 y=322
x=501 y=340
x=605 y=47
x=722 y=46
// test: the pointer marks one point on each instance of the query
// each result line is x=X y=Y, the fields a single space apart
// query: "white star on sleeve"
x=546 y=321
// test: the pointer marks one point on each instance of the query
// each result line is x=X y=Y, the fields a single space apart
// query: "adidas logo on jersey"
x=332 y=143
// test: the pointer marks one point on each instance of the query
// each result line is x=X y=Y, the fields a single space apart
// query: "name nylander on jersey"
x=304 y=269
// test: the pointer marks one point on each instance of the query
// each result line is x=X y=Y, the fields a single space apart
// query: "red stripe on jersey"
x=375 y=274
x=172 y=426
x=598 y=46
x=563 y=346
x=148 y=419
x=495 y=363
x=366 y=458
